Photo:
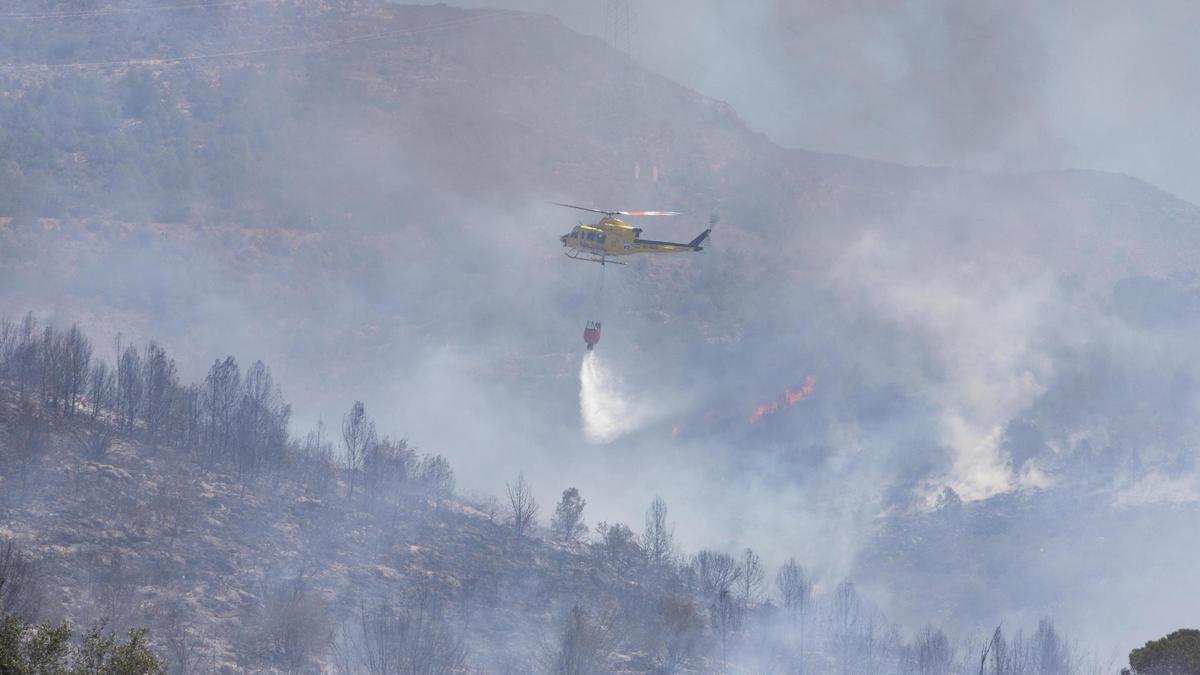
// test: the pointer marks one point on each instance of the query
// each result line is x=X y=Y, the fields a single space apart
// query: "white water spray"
x=607 y=411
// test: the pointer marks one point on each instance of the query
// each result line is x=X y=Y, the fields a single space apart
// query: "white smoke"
x=607 y=411
x=983 y=334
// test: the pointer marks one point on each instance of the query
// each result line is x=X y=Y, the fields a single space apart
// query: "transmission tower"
x=618 y=24
x=620 y=28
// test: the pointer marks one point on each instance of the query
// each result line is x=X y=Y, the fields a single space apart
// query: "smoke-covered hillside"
x=356 y=192
x=132 y=500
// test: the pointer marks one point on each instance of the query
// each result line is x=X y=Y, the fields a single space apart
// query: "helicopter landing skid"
x=576 y=254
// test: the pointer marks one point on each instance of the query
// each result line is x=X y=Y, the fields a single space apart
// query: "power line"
x=262 y=50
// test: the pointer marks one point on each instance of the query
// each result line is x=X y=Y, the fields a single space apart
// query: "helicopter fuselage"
x=611 y=237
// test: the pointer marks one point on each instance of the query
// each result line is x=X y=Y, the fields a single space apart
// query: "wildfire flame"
x=788 y=399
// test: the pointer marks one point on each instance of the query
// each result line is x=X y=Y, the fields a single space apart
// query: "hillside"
x=356 y=192
x=137 y=501
x=389 y=116
x=268 y=570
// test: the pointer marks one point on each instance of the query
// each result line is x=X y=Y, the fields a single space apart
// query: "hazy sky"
x=1013 y=85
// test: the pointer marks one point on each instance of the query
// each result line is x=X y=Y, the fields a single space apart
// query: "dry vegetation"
x=132 y=499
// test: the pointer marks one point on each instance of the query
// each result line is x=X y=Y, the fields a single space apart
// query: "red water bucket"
x=591 y=334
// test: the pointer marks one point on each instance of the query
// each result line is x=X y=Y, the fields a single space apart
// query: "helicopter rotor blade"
x=620 y=213
x=583 y=208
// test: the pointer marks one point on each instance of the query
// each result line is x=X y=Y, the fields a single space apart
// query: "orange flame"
x=788 y=399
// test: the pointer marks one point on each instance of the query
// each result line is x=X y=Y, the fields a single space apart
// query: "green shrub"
x=1176 y=654
x=45 y=649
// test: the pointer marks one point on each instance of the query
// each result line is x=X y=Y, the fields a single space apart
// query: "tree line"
x=726 y=611
x=235 y=419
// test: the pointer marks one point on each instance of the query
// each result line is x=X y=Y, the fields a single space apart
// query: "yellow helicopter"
x=611 y=237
